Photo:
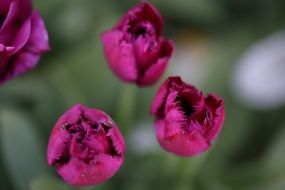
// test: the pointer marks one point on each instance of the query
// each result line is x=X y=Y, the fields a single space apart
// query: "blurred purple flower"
x=23 y=38
x=135 y=48
x=186 y=121
x=85 y=146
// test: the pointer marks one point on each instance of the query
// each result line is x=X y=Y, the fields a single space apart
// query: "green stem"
x=126 y=107
x=181 y=171
x=188 y=168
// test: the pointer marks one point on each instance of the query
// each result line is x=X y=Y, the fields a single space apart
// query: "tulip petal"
x=153 y=73
x=57 y=146
x=77 y=173
x=19 y=11
x=159 y=100
x=144 y=12
x=120 y=55
x=152 y=14
x=24 y=61
x=117 y=140
x=22 y=36
x=216 y=106
x=8 y=29
x=38 y=41
x=182 y=144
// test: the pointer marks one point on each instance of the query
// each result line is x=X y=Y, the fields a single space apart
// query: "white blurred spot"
x=142 y=139
x=188 y=63
x=259 y=79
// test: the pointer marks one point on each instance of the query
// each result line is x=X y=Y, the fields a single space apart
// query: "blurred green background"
x=210 y=37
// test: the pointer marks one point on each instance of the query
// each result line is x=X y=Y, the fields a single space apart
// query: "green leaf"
x=276 y=152
x=21 y=150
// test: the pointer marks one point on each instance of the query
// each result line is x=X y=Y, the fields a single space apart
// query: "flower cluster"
x=186 y=121
x=85 y=145
x=86 y=149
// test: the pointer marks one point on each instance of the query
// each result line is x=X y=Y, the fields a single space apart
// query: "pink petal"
x=182 y=144
x=147 y=51
x=8 y=29
x=76 y=173
x=216 y=106
x=153 y=73
x=146 y=11
x=24 y=61
x=159 y=99
x=120 y=55
x=118 y=140
x=153 y=15
x=38 y=41
x=172 y=123
x=19 y=12
x=22 y=36
x=57 y=145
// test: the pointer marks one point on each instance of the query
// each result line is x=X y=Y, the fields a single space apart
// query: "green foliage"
x=21 y=148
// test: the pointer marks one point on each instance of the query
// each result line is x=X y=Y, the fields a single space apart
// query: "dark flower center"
x=186 y=106
x=142 y=29
x=138 y=29
x=2 y=19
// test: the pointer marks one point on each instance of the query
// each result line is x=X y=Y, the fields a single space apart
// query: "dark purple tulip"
x=186 y=121
x=135 y=49
x=23 y=38
x=85 y=146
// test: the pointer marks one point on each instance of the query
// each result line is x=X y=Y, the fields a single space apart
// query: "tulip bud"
x=135 y=48
x=186 y=122
x=85 y=146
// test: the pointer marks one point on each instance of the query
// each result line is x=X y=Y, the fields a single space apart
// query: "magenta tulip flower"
x=135 y=49
x=186 y=121
x=23 y=38
x=85 y=146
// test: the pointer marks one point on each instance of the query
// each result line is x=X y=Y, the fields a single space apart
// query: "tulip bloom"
x=23 y=38
x=135 y=49
x=186 y=121
x=85 y=146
